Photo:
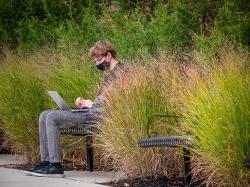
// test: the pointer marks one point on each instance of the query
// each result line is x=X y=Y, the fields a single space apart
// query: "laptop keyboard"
x=80 y=110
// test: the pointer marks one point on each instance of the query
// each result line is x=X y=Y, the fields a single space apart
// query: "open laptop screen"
x=58 y=100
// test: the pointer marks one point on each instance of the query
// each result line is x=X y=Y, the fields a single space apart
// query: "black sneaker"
x=49 y=171
x=36 y=167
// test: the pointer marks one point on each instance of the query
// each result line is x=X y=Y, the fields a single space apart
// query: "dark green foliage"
x=233 y=21
x=40 y=14
x=231 y=24
x=171 y=27
x=137 y=28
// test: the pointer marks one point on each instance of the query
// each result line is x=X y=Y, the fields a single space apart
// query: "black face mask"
x=103 y=66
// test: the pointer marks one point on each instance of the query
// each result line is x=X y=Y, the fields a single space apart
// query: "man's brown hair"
x=101 y=48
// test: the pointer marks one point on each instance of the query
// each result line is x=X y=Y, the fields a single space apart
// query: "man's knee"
x=43 y=115
x=53 y=115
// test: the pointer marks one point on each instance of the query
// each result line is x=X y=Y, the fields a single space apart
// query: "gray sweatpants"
x=50 y=121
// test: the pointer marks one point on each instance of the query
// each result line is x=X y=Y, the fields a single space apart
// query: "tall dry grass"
x=21 y=101
x=215 y=108
x=211 y=100
x=136 y=96
x=23 y=85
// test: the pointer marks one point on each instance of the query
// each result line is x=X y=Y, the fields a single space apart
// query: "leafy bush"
x=33 y=33
x=175 y=26
x=230 y=24
x=170 y=28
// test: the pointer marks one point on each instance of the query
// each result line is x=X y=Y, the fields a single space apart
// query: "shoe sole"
x=27 y=172
x=44 y=175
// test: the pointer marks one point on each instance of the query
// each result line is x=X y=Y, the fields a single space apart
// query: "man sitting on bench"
x=50 y=121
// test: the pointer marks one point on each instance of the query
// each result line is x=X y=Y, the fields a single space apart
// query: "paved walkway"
x=16 y=178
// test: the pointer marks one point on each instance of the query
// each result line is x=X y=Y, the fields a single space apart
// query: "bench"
x=88 y=132
x=171 y=141
x=176 y=141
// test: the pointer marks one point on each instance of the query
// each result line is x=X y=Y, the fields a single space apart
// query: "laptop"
x=62 y=104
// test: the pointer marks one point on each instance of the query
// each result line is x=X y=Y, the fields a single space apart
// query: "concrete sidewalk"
x=17 y=178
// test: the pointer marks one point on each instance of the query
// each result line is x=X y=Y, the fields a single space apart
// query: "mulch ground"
x=149 y=182
x=144 y=182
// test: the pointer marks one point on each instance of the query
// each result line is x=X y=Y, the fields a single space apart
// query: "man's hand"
x=82 y=103
x=78 y=102
x=86 y=103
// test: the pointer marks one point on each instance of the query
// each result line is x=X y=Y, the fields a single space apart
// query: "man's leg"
x=60 y=119
x=54 y=121
x=44 y=153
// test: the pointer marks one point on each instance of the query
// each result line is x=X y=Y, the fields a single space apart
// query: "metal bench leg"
x=89 y=148
x=187 y=167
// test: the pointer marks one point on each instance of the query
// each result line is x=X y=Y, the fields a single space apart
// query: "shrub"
x=232 y=22
x=171 y=26
x=33 y=33
x=229 y=24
